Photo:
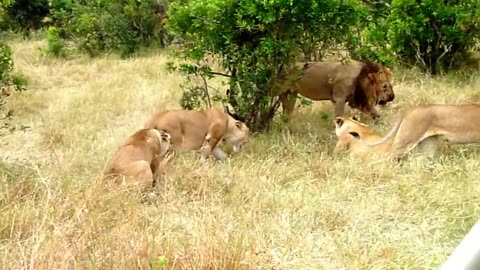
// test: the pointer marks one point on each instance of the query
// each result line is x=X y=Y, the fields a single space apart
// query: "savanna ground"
x=285 y=202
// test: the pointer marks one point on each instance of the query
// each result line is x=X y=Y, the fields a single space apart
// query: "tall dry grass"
x=285 y=202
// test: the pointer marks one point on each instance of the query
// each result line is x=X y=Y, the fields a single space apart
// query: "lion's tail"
x=389 y=136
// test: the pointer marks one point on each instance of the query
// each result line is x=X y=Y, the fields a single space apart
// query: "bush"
x=55 y=44
x=371 y=40
x=25 y=15
x=255 y=40
x=120 y=26
x=434 y=34
x=7 y=82
x=61 y=15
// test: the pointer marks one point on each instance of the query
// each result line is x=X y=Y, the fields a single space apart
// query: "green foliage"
x=7 y=82
x=61 y=14
x=98 y=26
x=55 y=44
x=161 y=263
x=195 y=89
x=6 y=67
x=120 y=26
x=434 y=34
x=25 y=15
x=255 y=40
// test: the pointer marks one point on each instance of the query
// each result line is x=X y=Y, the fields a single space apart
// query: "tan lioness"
x=138 y=158
x=362 y=85
x=203 y=129
x=347 y=143
x=423 y=125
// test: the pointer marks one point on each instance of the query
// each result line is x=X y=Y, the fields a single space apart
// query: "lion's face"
x=383 y=79
x=380 y=85
x=238 y=135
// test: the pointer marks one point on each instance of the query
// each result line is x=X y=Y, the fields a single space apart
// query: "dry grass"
x=286 y=202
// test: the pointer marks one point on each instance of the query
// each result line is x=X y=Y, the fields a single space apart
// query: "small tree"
x=434 y=34
x=24 y=14
x=7 y=81
x=122 y=26
x=55 y=44
x=371 y=41
x=255 y=40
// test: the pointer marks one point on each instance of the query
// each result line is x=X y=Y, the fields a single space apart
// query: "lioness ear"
x=356 y=117
x=238 y=124
x=165 y=135
x=339 y=121
x=355 y=135
x=227 y=111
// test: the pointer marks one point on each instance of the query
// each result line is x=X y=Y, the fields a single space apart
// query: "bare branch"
x=221 y=74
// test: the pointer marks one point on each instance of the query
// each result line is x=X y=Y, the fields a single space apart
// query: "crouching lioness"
x=138 y=158
x=203 y=129
x=347 y=143
x=423 y=125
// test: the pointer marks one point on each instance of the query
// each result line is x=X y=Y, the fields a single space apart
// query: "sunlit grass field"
x=285 y=202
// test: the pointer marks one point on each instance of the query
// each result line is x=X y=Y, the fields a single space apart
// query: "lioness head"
x=164 y=141
x=238 y=135
x=346 y=125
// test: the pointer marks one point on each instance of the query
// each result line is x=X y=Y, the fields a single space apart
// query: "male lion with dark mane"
x=362 y=84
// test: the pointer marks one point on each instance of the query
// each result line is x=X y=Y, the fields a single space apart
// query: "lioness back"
x=188 y=128
x=204 y=129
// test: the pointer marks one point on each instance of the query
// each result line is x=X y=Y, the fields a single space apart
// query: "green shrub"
x=55 y=44
x=25 y=15
x=7 y=82
x=433 y=34
x=255 y=40
x=371 y=40
x=121 y=26
x=61 y=15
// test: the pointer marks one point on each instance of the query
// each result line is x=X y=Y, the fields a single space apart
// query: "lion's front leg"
x=205 y=150
x=339 y=103
x=341 y=147
x=219 y=154
x=216 y=152
x=373 y=112
x=212 y=141
x=288 y=100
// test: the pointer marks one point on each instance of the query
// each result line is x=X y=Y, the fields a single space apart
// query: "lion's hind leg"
x=139 y=174
x=429 y=146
